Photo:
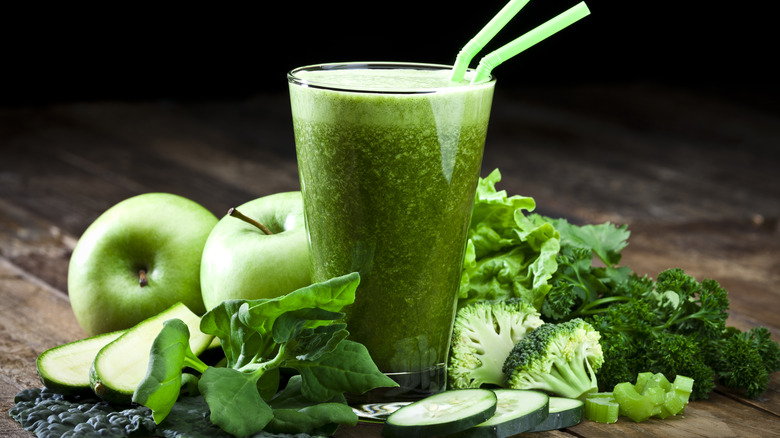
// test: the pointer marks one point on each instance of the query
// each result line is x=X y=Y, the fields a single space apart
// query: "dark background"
x=135 y=51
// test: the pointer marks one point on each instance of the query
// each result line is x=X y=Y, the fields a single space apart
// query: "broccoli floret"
x=483 y=335
x=561 y=359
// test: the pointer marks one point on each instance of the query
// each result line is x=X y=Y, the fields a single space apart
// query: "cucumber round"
x=121 y=365
x=444 y=413
x=65 y=368
x=517 y=411
x=564 y=412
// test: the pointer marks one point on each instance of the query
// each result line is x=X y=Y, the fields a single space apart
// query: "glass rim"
x=293 y=79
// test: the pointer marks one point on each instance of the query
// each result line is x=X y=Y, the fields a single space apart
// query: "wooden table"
x=693 y=174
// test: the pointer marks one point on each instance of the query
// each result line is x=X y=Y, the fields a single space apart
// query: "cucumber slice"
x=121 y=365
x=65 y=368
x=517 y=411
x=564 y=412
x=444 y=413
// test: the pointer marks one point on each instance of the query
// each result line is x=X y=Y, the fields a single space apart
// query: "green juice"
x=389 y=161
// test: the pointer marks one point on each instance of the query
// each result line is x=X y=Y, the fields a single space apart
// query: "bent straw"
x=550 y=27
x=483 y=37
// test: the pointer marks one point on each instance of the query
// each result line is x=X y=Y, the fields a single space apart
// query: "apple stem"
x=235 y=213
x=142 y=280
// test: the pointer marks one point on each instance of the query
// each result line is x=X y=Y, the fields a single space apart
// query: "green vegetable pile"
x=653 y=395
x=673 y=324
x=508 y=254
x=543 y=305
x=286 y=370
x=260 y=337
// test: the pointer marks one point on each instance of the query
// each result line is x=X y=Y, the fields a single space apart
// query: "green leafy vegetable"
x=169 y=354
x=606 y=240
x=672 y=325
x=236 y=406
x=746 y=359
x=348 y=368
x=294 y=413
x=298 y=331
x=578 y=285
x=675 y=324
x=507 y=254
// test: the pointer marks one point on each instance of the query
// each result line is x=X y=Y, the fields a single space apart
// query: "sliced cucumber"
x=564 y=412
x=517 y=411
x=65 y=368
x=122 y=364
x=444 y=413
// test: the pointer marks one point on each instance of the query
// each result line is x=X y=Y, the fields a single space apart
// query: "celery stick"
x=636 y=406
x=678 y=396
x=660 y=381
x=641 y=381
x=601 y=407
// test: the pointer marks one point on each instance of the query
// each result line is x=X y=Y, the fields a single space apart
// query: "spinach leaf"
x=236 y=406
x=294 y=413
x=240 y=343
x=348 y=368
x=170 y=352
x=300 y=331
x=290 y=324
x=331 y=295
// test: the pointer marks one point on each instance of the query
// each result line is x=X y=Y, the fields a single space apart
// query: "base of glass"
x=378 y=404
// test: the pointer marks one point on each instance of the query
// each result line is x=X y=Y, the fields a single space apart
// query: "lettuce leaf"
x=508 y=255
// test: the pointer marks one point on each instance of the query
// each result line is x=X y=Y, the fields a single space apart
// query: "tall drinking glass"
x=389 y=155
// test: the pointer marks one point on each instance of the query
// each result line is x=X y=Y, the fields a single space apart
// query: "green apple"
x=137 y=259
x=258 y=250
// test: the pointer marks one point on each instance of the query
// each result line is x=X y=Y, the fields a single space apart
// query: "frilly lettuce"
x=508 y=254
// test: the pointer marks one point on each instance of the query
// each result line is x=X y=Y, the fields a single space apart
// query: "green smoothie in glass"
x=389 y=156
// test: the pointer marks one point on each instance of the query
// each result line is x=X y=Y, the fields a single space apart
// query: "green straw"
x=552 y=26
x=483 y=37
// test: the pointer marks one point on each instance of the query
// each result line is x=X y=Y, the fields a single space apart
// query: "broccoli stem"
x=573 y=378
